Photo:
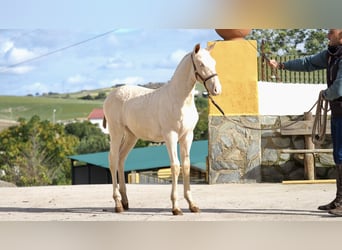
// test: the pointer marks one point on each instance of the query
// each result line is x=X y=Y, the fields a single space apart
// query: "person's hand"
x=273 y=63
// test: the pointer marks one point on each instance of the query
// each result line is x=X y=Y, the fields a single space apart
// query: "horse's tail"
x=104 y=122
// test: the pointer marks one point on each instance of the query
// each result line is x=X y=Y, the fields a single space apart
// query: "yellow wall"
x=236 y=65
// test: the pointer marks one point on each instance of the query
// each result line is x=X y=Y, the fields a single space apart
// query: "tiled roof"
x=96 y=114
x=148 y=157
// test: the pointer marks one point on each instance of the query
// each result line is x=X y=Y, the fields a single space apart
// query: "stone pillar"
x=234 y=149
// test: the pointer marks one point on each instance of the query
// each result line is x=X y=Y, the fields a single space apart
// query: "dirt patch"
x=7 y=123
x=226 y=202
x=6 y=184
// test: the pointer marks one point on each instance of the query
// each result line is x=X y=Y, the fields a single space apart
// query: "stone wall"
x=238 y=153
x=234 y=151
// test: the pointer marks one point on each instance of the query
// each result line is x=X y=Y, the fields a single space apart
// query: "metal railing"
x=267 y=74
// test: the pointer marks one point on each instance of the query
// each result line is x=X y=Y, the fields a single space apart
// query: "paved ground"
x=224 y=202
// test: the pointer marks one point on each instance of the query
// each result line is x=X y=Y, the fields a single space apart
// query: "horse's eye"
x=201 y=65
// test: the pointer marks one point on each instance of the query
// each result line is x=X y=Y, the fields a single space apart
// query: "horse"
x=166 y=114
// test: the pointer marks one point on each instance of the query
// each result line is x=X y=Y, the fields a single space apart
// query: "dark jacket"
x=329 y=59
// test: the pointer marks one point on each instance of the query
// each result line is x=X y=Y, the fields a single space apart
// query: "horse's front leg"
x=185 y=146
x=175 y=170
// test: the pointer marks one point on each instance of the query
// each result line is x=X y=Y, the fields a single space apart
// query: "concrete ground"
x=222 y=202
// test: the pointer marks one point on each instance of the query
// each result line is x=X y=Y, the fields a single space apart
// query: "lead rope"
x=320 y=122
x=300 y=118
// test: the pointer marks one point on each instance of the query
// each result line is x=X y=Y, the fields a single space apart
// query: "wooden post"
x=309 y=160
x=133 y=175
x=73 y=182
x=263 y=61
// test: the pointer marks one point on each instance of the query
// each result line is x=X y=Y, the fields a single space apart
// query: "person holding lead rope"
x=329 y=59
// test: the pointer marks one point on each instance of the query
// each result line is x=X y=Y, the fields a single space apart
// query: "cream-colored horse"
x=167 y=114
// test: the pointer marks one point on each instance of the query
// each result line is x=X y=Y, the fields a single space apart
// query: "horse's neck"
x=183 y=81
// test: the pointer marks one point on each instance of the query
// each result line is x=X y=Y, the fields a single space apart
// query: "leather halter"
x=203 y=81
x=199 y=75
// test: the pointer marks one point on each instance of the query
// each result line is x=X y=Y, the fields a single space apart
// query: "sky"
x=37 y=61
x=43 y=48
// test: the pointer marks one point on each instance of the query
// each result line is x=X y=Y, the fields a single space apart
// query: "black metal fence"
x=267 y=74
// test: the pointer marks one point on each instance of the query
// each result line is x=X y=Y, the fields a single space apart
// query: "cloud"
x=76 y=79
x=177 y=55
x=37 y=87
x=172 y=60
x=5 y=47
x=126 y=56
x=123 y=31
x=131 y=80
x=118 y=63
x=19 y=70
x=11 y=55
x=17 y=55
x=113 y=40
x=123 y=37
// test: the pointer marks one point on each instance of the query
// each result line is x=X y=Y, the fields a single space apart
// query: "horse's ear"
x=197 y=48
x=211 y=47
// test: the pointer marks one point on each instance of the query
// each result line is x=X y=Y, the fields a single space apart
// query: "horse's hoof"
x=177 y=211
x=125 y=206
x=119 y=209
x=195 y=209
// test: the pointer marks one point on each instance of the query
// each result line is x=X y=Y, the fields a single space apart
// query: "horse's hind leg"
x=113 y=159
x=126 y=146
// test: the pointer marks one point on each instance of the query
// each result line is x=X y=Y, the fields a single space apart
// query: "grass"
x=68 y=106
x=14 y=107
x=83 y=93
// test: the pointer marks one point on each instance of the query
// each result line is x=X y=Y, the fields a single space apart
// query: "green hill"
x=68 y=106
x=14 y=107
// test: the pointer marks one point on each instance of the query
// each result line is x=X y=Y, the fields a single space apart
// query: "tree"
x=35 y=153
x=91 y=138
x=290 y=41
x=101 y=96
x=87 y=97
x=201 y=129
x=315 y=41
